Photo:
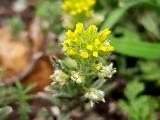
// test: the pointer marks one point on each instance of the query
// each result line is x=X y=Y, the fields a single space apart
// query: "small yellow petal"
x=104 y=34
x=71 y=52
x=70 y=34
x=91 y=2
x=103 y=48
x=75 y=40
x=110 y=48
x=90 y=47
x=79 y=10
x=73 y=13
x=67 y=41
x=95 y=54
x=77 y=5
x=86 y=8
x=68 y=3
x=84 y=55
x=97 y=42
x=64 y=7
x=106 y=31
x=79 y=28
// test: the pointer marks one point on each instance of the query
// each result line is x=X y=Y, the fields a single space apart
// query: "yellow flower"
x=84 y=55
x=79 y=28
x=104 y=34
x=76 y=7
x=103 y=48
x=90 y=47
x=87 y=43
x=70 y=34
x=73 y=13
x=67 y=41
x=95 y=54
x=71 y=52
x=97 y=42
x=97 y=47
x=110 y=48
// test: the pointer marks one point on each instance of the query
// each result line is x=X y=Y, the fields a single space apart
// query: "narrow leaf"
x=137 y=49
x=116 y=14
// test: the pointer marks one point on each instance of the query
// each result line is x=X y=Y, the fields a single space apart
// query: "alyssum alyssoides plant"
x=88 y=50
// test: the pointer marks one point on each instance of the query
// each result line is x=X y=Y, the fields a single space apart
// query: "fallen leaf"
x=40 y=74
x=14 y=54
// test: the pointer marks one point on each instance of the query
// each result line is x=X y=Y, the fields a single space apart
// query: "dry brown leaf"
x=5 y=33
x=40 y=74
x=21 y=63
x=14 y=54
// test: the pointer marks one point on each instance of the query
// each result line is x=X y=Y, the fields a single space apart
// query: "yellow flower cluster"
x=75 y=7
x=87 y=43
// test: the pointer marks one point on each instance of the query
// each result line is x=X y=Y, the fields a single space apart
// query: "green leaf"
x=17 y=25
x=22 y=101
x=123 y=105
x=63 y=116
x=138 y=107
x=150 y=70
x=117 y=13
x=109 y=87
x=133 y=89
x=153 y=5
x=30 y=88
x=4 y=112
x=98 y=84
x=49 y=10
x=43 y=9
x=70 y=62
x=62 y=94
x=135 y=48
x=150 y=24
x=58 y=64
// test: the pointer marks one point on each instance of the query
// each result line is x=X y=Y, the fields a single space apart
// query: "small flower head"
x=106 y=71
x=59 y=77
x=77 y=7
x=95 y=95
x=98 y=66
x=84 y=54
x=110 y=70
x=86 y=43
x=75 y=76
